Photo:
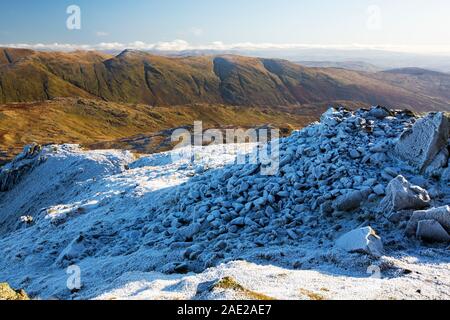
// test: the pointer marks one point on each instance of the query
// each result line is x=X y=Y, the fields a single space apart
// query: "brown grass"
x=229 y=283
x=99 y=124
x=311 y=295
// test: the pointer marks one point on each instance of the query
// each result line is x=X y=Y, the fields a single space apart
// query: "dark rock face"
x=11 y=173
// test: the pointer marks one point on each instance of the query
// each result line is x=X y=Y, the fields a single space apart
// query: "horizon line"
x=182 y=45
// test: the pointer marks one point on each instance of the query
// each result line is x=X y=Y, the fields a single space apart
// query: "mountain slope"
x=139 y=77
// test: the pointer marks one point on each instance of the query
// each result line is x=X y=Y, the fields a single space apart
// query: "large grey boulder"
x=419 y=145
x=363 y=240
x=431 y=231
x=402 y=195
x=441 y=215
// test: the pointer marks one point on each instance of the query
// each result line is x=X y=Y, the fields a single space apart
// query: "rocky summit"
x=359 y=190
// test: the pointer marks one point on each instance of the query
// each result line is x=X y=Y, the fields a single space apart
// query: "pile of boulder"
x=425 y=147
x=346 y=183
x=374 y=167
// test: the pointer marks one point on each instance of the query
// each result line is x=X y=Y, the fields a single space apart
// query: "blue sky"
x=409 y=23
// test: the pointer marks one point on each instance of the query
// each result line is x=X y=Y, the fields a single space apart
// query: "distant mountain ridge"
x=350 y=65
x=139 y=77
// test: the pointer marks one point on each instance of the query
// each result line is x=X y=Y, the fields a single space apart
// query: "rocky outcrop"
x=13 y=172
x=424 y=141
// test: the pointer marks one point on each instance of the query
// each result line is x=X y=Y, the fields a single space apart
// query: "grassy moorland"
x=100 y=124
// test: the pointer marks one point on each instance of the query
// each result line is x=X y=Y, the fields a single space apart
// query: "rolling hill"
x=425 y=82
x=139 y=77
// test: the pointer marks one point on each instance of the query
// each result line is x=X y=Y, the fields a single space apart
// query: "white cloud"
x=181 y=45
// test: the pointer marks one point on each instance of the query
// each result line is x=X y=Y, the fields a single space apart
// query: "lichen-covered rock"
x=431 y=231
x=441 y=215
x=402 y=195
x=419 y=145
x=7 y=293
x=363 y=240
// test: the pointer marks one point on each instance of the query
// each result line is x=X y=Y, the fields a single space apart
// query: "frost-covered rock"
x=74 y=251
x=438 y=164
x=402 y=195
x=183 y=213
x=13 y=172
x=363 y=240
x=432 y=231
x=379 y=112
x=441 y=215
x=420 y=144
x=379 y=190
x=446 y=175
x=351 y=200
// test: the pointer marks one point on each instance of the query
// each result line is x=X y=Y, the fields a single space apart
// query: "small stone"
x=350 y=201
x=240 y=222
x=379 y=190
x=188 y=232
x=379 y=112
x=354 y=154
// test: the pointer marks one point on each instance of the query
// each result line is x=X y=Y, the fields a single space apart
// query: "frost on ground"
x=349 y=215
